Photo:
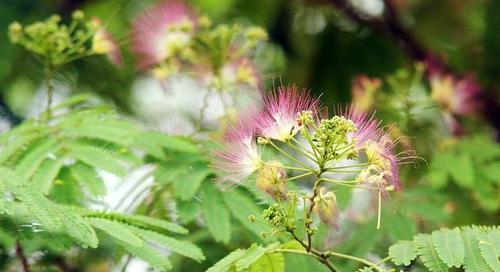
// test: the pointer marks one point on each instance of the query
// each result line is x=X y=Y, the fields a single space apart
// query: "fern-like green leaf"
x=34 y=201
x=77 y=228
x=402 y=253
x=428 y=254
x=449 y=246
x=116 y=230
x=45 y=175
x=15 y=145
x=184 y=248
x=2 y=198
x=241 y=206
x=96 y=157
x=269 y=262
x=149 y=141
x=473 y=261
x=228 y=262
x=113 y=131
x=88 y=178
x=34 y=156
x=252 y=254
x=140 y=221
x=187 y=186
x=147 y=221
x=151 y=256
x=216 y=214
x=489 y=244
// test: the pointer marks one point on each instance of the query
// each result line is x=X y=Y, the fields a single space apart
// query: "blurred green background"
x=312 y=44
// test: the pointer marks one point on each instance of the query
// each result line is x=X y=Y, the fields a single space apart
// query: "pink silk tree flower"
x=278 y=117
x=240 y=156
x=383 y=171
x=367 y=127
x=455 y=95
x=233 y=74
x=104 y=43
x=161 y=31
x=363 y=92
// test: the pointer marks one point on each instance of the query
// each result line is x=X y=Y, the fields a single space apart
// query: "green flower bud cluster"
x=332 y=138
x=56 y=43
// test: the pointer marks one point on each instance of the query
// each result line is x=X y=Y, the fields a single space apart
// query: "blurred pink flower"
x=104 y=43
x=363 y=92
x=161 y=30
x=455 y=95
x=231 y=75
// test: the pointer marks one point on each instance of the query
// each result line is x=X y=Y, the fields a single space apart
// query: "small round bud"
x=262 y=140
x=326 y=207
x=78 y=15
x=15 y=31
x=204 y=21
x=252 y=218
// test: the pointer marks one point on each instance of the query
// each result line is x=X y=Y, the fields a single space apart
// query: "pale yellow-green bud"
x=262 y=140
x=271 y=179
x=78 y=15
x=15 y=31
x=326 y=207
x=256 y=34
x=101 y=42
x=305 y=118
x=204 y=22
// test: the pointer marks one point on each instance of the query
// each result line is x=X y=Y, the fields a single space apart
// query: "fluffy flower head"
x=161 y=31
x=367 y=127
x=383 y=170
x=279 y=117
x=457 y=96
x=240 y=156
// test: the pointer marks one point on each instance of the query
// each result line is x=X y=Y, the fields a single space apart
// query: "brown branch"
x=22 y=257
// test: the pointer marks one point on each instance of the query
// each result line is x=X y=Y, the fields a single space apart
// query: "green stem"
x=290 y=157
x=299 y=176
x=309 y=220
x=50 y=90
x=301 y=151
x=379 y=208
x=349 y=257
x=289 y=167
x=343 y=183
x=201 y=114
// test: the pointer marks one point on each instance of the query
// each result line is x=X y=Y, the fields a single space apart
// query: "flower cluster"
x=57 y=43
x=171 y=37
x=309 y=145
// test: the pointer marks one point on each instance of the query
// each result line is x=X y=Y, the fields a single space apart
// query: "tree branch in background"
x=390 y=26
x=22 y=258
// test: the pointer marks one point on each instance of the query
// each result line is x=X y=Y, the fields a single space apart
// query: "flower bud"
x=15 y=31
x=325 y=207
x=78 y=15
x=270 y=179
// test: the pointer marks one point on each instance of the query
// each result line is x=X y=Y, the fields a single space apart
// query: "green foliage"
x=403 y=253
x=216 y=214
x=473 y=248
x=472 y=164
x=54 y=159
x=255 y=258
